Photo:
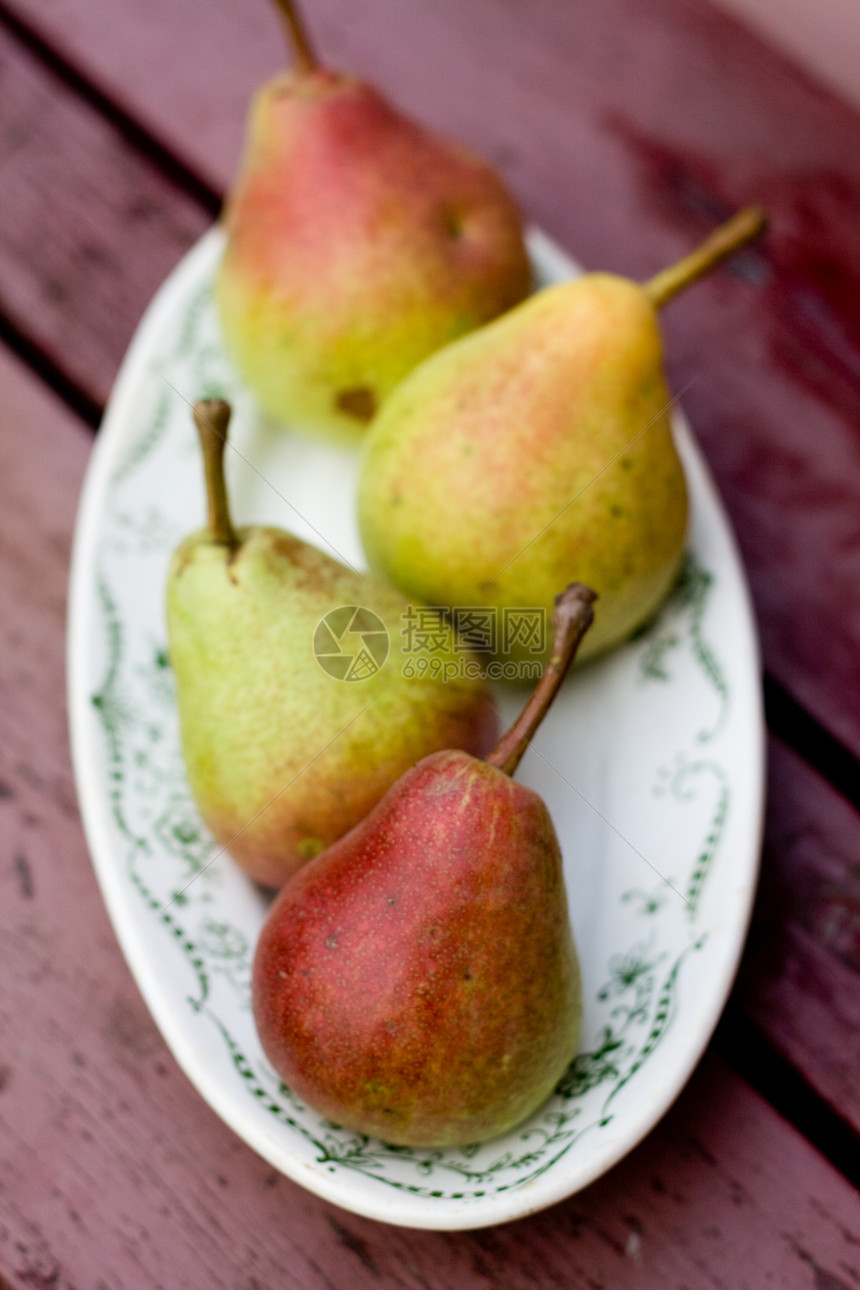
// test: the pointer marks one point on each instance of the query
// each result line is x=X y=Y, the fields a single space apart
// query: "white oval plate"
x=650 y=762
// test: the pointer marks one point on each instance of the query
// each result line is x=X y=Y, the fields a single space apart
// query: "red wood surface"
x=78 y=283
x=88 y=231
x=114 y=1173
x=801 y=975
x=626 y=130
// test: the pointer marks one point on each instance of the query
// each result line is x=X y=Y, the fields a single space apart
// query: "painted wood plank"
x=626 y=130
x=533 y=80
x=800 y=980
x=88 y=230
x=113 y=1172
x=154 y=62
x=824 y=38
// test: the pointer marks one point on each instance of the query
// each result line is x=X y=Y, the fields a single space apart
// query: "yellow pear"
x=536 y=451
x=298 y=703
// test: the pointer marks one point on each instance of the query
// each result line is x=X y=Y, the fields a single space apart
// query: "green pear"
x=298 y=706
x=357 y=244
x=419 y=980
x=537 y=450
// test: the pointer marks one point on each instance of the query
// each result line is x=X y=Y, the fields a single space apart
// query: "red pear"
x=357 y=244
x=419 y=981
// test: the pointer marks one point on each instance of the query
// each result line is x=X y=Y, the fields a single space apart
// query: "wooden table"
x=626 y=130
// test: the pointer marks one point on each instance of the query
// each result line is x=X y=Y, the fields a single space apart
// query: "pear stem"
x=303 y=53
x=212 y=417
x=572 y=618
x=723 y=242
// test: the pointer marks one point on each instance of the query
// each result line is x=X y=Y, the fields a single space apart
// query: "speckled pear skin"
x=419 y=981
x=534 y=452
x=357 y=243
x=282 y=759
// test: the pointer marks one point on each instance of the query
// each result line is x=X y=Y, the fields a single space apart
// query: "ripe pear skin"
x=419 y=982
x=535 y=451
x=281 y=757
x=357 y=243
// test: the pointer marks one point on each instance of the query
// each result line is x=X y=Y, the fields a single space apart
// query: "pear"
x=537 y=450
x=357 y=244
x=285 y=748
x=419 y=980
